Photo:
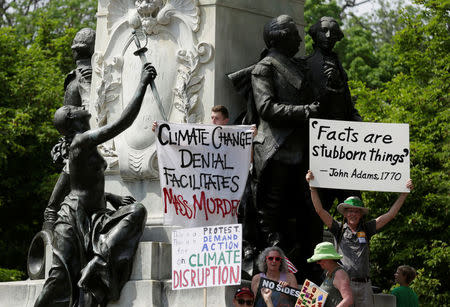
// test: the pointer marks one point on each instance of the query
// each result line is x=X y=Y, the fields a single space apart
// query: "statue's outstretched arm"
x=107 y=132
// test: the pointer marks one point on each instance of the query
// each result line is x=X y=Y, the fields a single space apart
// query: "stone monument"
x=193 y=44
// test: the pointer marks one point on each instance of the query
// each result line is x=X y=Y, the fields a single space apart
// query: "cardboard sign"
x=203 y=171
x=311 y=295
x=358 y=155
x=206 y=256
x=281 y=296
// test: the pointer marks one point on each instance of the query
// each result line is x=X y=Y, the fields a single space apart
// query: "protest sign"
x=311 y=295
x=206 y=256
x=281 y=296
x=203 y=171
x=358 y=155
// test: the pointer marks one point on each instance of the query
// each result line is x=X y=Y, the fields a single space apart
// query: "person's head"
x=70 y=119
x=405 y=275
x=272 y=258
x=281 y=33
x=219 y=115
x=83 y=44
x=325 y=255
x=243 y=297
x=326 y=33
x=353 y=210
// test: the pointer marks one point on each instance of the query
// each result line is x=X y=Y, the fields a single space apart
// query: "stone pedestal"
x=149 y=285
x=384 y=300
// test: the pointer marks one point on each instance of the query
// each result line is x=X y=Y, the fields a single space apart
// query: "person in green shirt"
x=406 y=297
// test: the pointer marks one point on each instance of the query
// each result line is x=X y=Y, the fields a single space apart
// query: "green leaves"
x=35 y=56
x=418 y=94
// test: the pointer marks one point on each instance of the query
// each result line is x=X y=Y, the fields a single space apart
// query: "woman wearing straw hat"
x=337 y=282
x=353 y=238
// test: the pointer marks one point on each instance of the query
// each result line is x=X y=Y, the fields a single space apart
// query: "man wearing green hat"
x=353 y=238
x=337 y=282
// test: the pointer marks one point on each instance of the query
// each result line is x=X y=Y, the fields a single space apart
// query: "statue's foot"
x=94 y=278
x=91 y=272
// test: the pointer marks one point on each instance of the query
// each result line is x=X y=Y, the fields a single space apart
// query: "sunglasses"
x=242 y=302
x=273 y=258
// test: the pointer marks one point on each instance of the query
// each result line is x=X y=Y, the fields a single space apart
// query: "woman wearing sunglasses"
x=272 y=264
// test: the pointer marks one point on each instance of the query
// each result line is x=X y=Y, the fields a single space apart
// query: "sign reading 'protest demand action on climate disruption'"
x=203 y=171
x=358 y=155
x=206 y=256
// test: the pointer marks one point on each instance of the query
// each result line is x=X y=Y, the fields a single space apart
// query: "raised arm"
x=107 y=132
x=342 y=283
x=267 y=296
x=326 y=218
x=382 y=220
x=255 y=283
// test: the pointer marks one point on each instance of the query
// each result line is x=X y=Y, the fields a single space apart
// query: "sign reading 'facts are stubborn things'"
x=359 y=155
x=203 y=171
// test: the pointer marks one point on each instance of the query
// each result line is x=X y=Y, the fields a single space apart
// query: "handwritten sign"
x=359 y=156
x=203 y=171
x=281 y=296
x=206 y=256
x=311 y=295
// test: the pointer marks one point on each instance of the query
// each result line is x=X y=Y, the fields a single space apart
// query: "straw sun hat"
x=353 y=202
x=324 y=250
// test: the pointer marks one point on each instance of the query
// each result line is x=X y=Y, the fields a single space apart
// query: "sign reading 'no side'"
x=359 y=155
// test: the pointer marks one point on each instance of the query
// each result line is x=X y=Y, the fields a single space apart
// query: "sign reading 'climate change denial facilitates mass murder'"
x=359 y=155
x=203 y=170
x=206 y=256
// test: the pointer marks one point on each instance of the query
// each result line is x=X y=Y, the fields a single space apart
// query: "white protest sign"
x=206 y=256
x=203 y=171
x=359 y=155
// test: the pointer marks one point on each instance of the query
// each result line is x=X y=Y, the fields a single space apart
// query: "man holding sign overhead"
x=353 y=237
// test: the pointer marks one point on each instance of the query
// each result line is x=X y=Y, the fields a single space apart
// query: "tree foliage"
x=35 y=56
x=418 y=95
x=397 y=60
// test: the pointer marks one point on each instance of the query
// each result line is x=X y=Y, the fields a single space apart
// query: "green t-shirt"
x=406 y=297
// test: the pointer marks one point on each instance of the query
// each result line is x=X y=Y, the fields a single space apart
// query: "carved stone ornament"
x=168 y=29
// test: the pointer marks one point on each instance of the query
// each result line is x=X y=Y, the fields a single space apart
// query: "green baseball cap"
x=324 y=250
x=353 y=202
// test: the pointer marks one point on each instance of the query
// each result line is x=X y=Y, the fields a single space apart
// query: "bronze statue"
x=284 y=103
x=285 y=92
x=93 y=247
x=326 y=75
x=328 y=80
x=77 y=87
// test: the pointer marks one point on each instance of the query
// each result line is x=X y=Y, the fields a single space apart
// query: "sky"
x=370 y=6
